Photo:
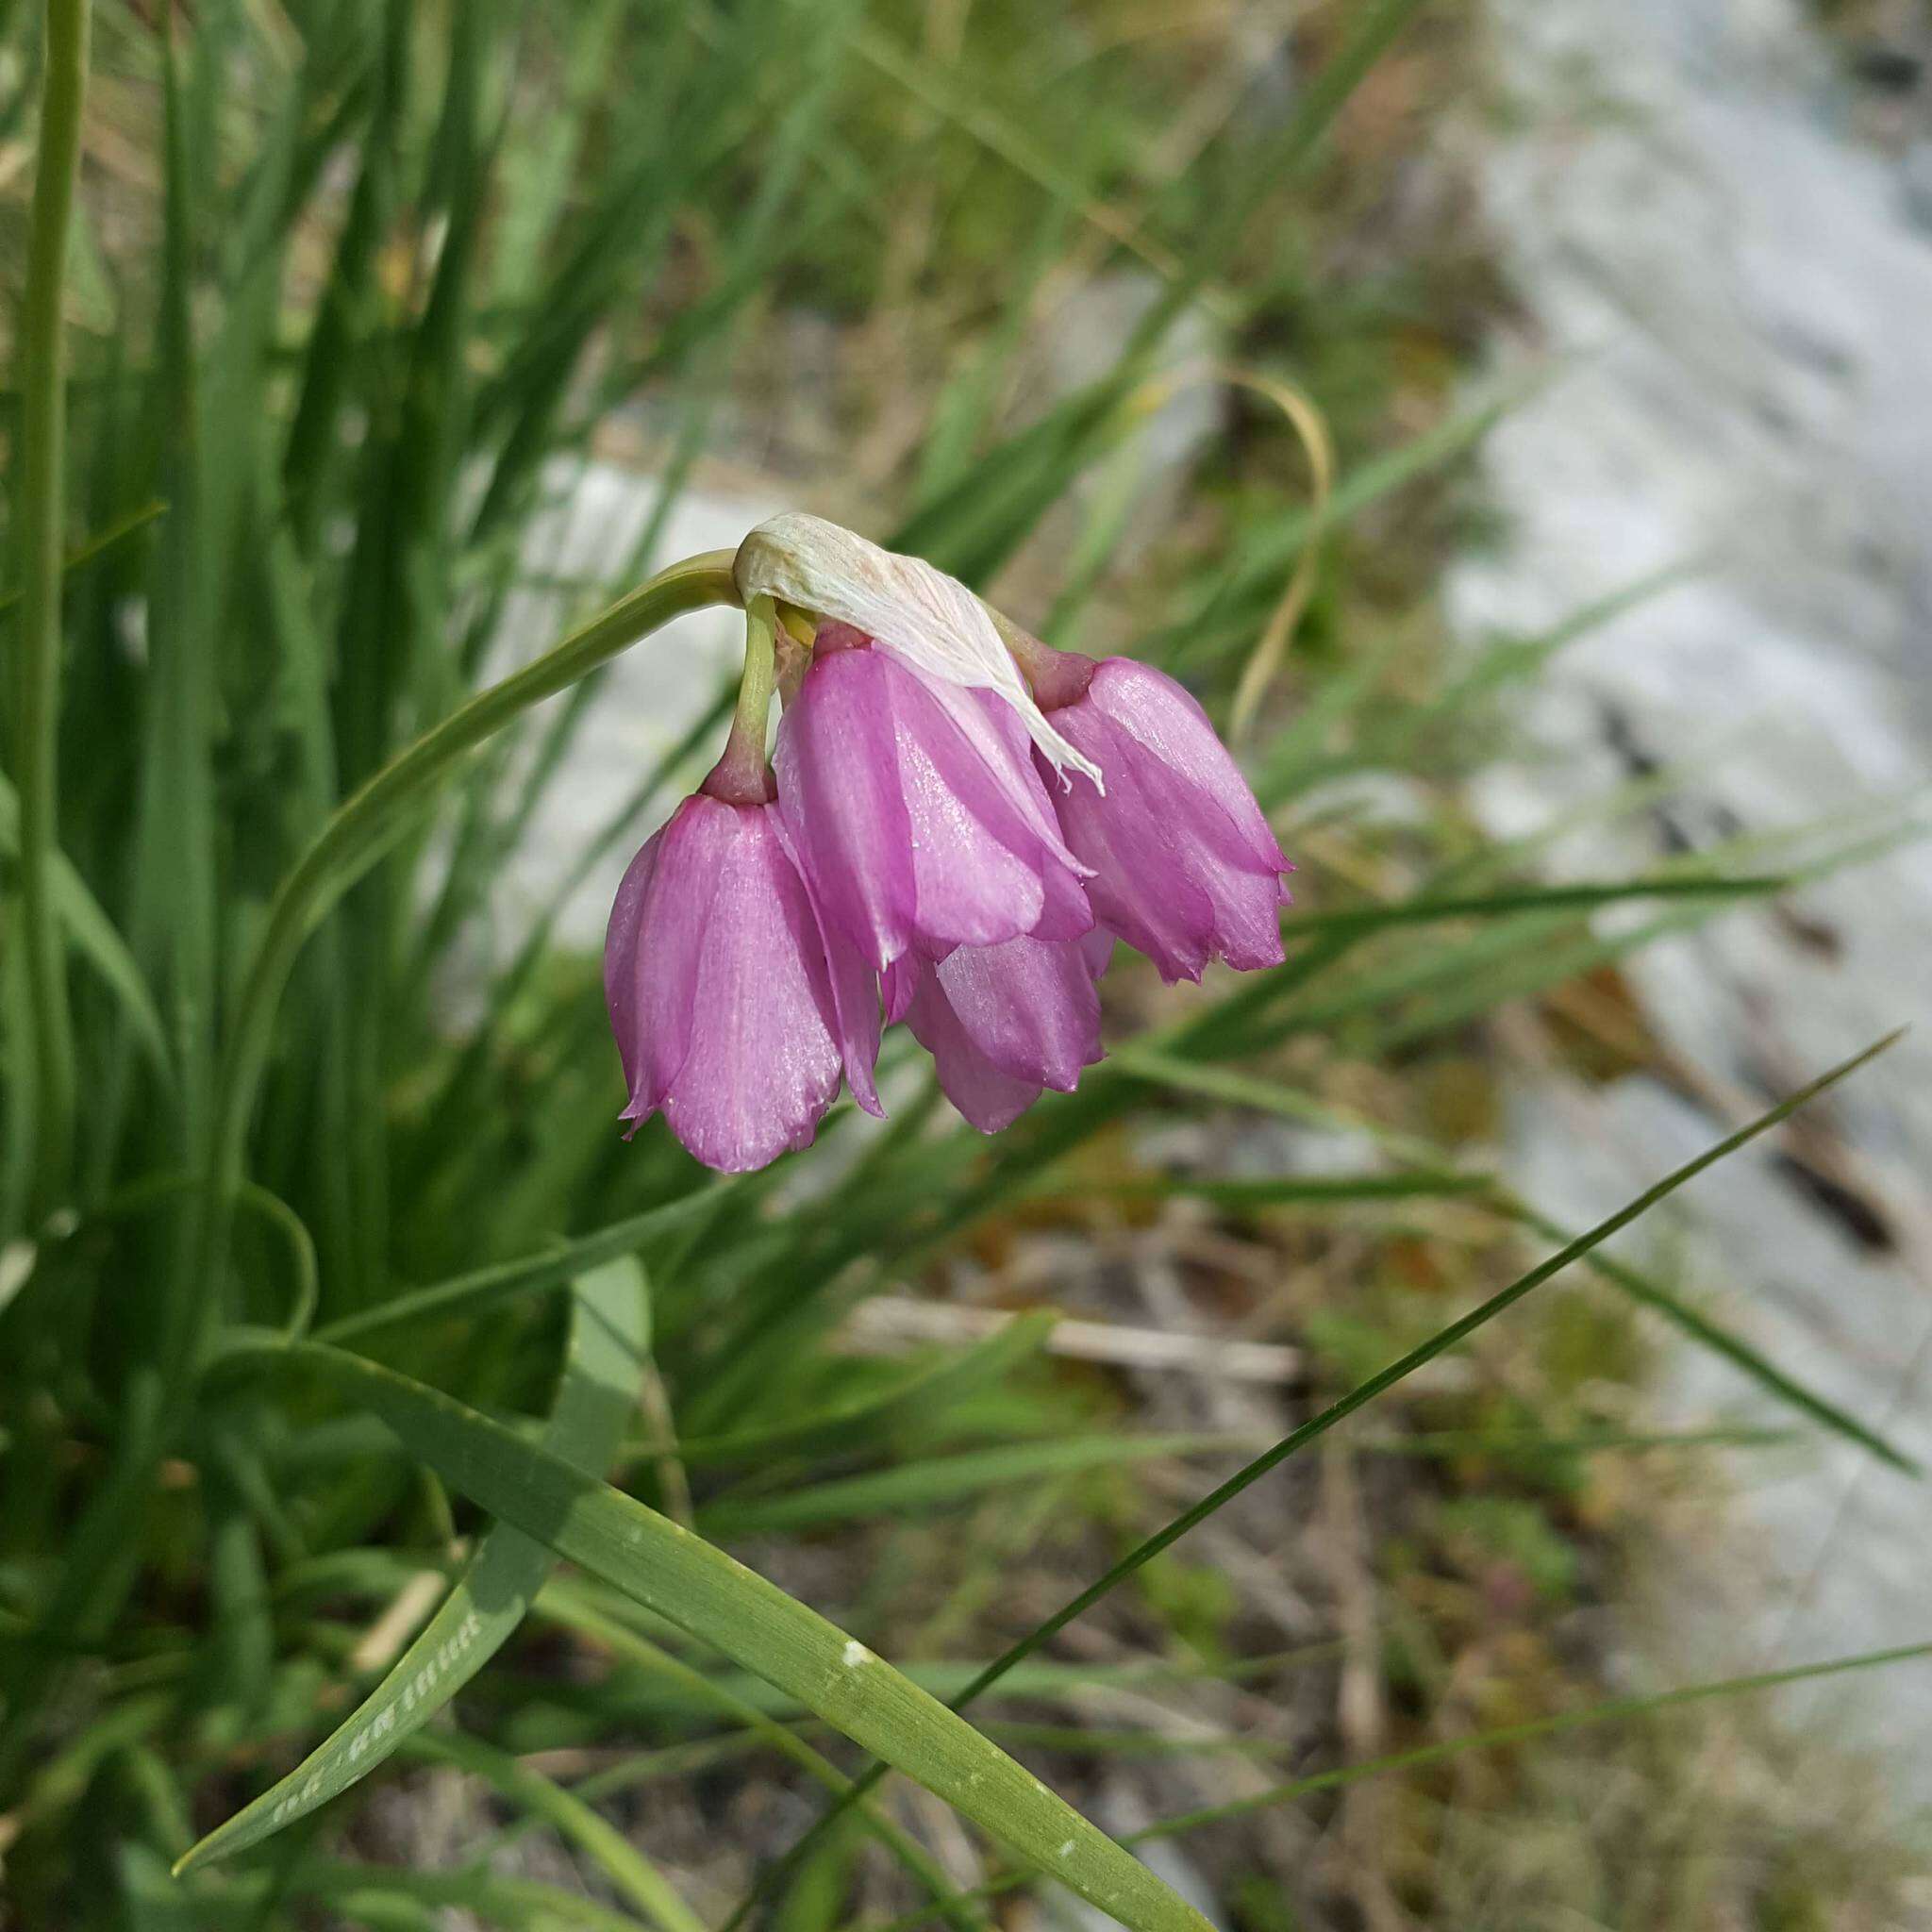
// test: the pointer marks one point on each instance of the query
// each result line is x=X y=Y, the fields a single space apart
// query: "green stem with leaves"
x=363 y=825
x=42 y=497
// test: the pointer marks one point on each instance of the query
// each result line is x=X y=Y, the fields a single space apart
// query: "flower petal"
x=854 y=987
x=620 y=963
x=987 y=1097
x=1144 y=885
x=763 y=1066
x=673 y=917
x=836 y=765
x=1162 y=717
x=1029 y=1007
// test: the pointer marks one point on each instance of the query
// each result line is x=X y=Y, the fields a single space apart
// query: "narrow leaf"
x=700 y=1590
x=1359 y=1397
x=607 y=1345
x=465 y=1295
x=628 y=1871
x=96 y=938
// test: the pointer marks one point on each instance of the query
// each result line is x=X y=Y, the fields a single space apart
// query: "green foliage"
x=337 y=343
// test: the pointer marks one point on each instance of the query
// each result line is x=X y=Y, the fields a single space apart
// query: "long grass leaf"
x=99 y=544
x=1501 y=1737
x=467 y=1294
x=608 y=1338
x=931 y=1483
x=1363 y=1393
x=702 y=1590
x=96 y=938
x=573 y=1606
x=629 y=1872
x=48 y=1043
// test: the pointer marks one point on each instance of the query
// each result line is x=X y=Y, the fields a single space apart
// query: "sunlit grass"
x=351 y=293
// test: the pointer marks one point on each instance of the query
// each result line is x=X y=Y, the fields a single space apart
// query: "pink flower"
x=936 y=833
x=735 y=1010
x=915 y=811
x=1183 y=864
x=1003 y=1022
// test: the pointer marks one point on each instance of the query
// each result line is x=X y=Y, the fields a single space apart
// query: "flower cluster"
x=933 y=842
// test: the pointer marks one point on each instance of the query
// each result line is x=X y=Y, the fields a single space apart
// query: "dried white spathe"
x=929 y=620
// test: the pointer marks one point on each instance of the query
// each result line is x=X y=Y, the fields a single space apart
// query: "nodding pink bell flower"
x=1183 y=864
x=919 y=820
x=1003 y=1021
x=735 y=1009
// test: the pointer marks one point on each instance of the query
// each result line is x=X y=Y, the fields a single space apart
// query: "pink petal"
x=853 y=1012
x=1163 y=718
x=987 y=1097
x=837 y=766
x=1144 y=885
x=763 y=1065
x=620 y=963
x=1028 y=1006
x=673 y=918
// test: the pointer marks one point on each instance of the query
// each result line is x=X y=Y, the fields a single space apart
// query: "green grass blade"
x=1576 y=898
x=99 y=545
x=926 y=1393
x=466 y=1294
x=573 y=1606
x=629 y=1872
x=1436 y=1344
x=524 y=1905
x=685 y=1580
x=608 y=1338
x=1285 y=1191
x=1721 y=1341
x=1363 y=1393
x=1246 y=1089
x=96 y=938
x=48 y=1045
x=1614 y=1710
x=933 y=1482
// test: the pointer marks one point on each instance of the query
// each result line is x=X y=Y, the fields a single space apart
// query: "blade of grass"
x=466 y=1294
x=1439 y=1344
x=525 y=1904
x=630 y=1873
x=1579 y=897
x=1639 y=1288
x=1614 y=1710
x=98 y=546
x=607 y=1343
x=571 y=1604
x=1247 y=1089
x=933 y=1482
x=94 y=935
x=702 y=1590
x=1357 y=1397
x=49 y=1047
x=927 y=1394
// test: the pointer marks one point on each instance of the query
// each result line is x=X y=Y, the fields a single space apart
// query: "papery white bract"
x=929 y=620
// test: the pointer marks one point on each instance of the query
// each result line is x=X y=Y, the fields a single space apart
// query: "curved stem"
x=37 y=706
x=363 y=825
x=98 y=1572
x=741 y=775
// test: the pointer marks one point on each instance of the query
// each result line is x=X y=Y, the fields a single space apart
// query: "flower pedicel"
x=940 y=839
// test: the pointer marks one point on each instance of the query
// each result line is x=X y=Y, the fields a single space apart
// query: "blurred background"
x=1547 y=382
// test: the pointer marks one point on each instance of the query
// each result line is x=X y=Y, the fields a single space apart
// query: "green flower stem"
x=363 y=825
x=42 y=497
x=98 y=1573
x=741 y=773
